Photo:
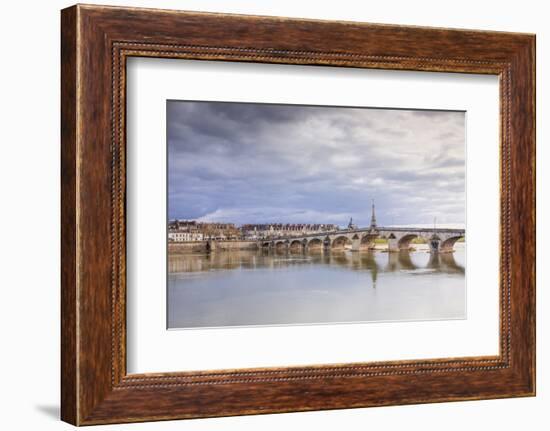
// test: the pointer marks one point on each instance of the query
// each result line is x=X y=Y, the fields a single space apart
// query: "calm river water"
x=241 y=288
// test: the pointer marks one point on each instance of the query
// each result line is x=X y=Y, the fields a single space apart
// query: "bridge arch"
x=340 y=242
x=296 y=244
x=405 y=241
x=447 y=245
x=367 y=240
x=281 y=244
x=315 y=243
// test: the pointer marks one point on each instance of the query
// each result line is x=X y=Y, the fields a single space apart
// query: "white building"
x=178 y=236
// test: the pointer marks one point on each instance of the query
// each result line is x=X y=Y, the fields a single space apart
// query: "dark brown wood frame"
x=95 y=43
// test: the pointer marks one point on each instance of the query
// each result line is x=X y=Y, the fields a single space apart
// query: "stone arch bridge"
x=439 y=240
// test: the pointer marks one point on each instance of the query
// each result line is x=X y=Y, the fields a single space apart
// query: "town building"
x=274 y=230
x=183 y=225
x=192 y=230
x=205 y=230
x=182 y=236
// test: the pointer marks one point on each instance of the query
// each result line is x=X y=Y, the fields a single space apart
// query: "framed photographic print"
x=266 y=215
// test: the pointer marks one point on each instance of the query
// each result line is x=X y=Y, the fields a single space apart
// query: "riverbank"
x=202 y=246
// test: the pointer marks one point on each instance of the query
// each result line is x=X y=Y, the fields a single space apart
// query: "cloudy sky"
x=262 y=163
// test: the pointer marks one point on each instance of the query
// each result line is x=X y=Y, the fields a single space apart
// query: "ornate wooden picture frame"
x=96 y=41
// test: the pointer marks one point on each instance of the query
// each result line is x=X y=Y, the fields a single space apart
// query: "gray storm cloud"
x=260 y=163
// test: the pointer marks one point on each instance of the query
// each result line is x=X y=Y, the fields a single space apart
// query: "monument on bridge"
x=373 y=218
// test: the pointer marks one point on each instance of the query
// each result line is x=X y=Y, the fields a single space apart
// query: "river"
x=243 y=288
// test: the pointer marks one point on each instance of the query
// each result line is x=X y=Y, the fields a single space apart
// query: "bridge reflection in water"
x=372 y=261
x=281 y=287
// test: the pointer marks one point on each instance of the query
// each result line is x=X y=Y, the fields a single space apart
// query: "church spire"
x=373 y=217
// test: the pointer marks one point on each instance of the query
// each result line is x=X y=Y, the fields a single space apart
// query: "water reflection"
x=286 y=287
x=372 y=261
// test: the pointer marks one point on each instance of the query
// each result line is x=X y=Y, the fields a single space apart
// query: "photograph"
x=284 y=214
x=275 y=215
